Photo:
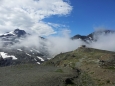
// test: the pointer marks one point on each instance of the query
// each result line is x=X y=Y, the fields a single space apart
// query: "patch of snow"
x=38 y=62
x=5 y=34
x=19 y=49
x=12 y=32
x=28 y=54
x=9 y=33
x=14 y=58
x=35 y=59
x=40 y=58
x=5 y=55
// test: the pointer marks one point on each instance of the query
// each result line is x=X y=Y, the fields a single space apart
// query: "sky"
x=87 y=16
x=50 y=17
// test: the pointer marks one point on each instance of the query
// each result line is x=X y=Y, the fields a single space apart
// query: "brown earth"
x=35 y=75
x=99 y=65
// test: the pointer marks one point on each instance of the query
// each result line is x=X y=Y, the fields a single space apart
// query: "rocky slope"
x=12 y=52
x=36 y=75
x=97 y=65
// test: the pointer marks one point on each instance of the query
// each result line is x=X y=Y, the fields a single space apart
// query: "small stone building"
x=84 y=46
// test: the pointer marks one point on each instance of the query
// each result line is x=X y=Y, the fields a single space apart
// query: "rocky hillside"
x=36 y=75
x=13 y=51
x=97 y=65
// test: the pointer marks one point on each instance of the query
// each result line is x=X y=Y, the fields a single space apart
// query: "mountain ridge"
x=91 y=37
x=12 y=46
x=25 y=54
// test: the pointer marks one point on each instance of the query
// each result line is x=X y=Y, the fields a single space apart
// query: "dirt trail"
x=34 y=75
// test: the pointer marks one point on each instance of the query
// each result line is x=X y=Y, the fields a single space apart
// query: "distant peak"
x=104 y=31
x=19 y=32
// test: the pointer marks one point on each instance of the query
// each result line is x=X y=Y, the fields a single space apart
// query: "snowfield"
x=5 y=55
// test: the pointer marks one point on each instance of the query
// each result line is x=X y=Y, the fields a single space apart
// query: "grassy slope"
x=87 y=59
x=35 y=75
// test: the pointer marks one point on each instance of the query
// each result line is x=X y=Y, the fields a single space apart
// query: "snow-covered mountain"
x=92 y=36
x=16 y=33
x=12 y=52
x=13 y=36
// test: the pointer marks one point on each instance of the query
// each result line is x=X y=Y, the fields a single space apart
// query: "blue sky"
x=47 y=17
x=87 y=15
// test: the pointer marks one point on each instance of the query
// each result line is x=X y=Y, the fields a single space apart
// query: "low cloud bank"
x=104 y=42
x=54 y=45
x=59 y=44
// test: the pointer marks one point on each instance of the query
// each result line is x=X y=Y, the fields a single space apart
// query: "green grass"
x=82 y=57
x=111 y=67
x=59 y=70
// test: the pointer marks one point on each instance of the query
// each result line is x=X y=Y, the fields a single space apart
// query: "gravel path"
x=34 y=75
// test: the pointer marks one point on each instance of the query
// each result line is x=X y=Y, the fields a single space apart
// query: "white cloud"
x=43 y=29
x=104 y=42
x=28 y=14
x=62 y=44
